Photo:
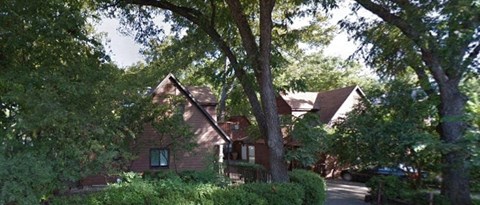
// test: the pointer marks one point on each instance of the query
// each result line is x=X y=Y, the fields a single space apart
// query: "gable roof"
x=203 y=95
x=326 y=103
x=206 y=98
x=301 y=101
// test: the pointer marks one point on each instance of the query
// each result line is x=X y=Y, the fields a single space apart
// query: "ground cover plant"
x=305 y=188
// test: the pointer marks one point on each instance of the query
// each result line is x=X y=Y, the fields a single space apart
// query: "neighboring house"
x=152 y=150
x=244 y=147
x=329 y=105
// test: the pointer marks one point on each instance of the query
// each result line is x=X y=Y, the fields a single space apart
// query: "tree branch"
x=212 y=17
x=248 y=39
x=198 y=18
x=428 y=55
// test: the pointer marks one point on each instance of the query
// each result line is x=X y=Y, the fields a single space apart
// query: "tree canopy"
x=251 y=35
x=440 y=41
x=61 y=103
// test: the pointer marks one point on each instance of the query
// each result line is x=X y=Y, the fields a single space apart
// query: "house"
x=329 y=105
x=152 y=149
x=199 y=113
x=244 y=148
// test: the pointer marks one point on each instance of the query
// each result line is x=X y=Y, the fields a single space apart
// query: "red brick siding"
x=205 y=134
x=262 y=155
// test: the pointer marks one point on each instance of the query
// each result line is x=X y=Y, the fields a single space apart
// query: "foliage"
x=251 y=172
x=475 y=179
x=317 y=72
x=133 y=192
x=32 y=172
x=390 y=187
x=208 y=176
x=62 y=105
x=237 y=196
x=172 y=190
x=167 y=191
x=398 y=127
x=438 y=40
x=471 y=87
x=394 y=189
x=310 y=134
x=277 y=193
x=314 y=186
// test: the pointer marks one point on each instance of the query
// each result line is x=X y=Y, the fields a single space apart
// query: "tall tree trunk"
x=452 y=102
x=223 y=95
x=455 y=184
x=278 y=166
x=258 y=58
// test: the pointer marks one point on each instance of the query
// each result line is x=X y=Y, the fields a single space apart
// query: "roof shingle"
x=327 y=103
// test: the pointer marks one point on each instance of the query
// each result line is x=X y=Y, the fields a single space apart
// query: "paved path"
x=341 y=192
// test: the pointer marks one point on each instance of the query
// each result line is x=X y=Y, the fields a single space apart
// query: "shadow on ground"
x=341 y=192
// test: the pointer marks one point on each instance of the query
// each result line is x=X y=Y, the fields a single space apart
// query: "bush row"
x=396 y=191
x=305 y=188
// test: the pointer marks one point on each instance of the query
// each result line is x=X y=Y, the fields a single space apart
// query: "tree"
x=440 y=41
x=316 y=72
x=397 y=128
x=308 y=131
x=61 y=102
x=223 y=22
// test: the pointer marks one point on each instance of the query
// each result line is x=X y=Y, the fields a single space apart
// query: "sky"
x=124 y=51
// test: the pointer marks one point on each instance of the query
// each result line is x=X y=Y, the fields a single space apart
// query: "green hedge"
x=277 y=193
x=237 y=196
x=312 y=183
x=305 y=188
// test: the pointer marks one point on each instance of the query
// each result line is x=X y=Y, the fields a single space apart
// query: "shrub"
x=236 y=196
x=160 y=175
x=391 y=187
x=475 y=178
x=312 y=183
x=204 y=177
x=135 y=192
x=251 y=172
x=277 y=193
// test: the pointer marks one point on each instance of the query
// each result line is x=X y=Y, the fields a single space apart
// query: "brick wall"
x=262 y=155
x=205 y=135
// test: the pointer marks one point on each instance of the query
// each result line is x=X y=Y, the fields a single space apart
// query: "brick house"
x=329 y=105
x=151 y=149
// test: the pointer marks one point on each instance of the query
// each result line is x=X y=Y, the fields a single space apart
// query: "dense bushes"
x=276 y=193
x=236 y=196
x=312 y=183
x=398 y=191
x=196 y=188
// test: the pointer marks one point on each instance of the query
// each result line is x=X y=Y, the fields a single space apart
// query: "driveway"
x=341 y=192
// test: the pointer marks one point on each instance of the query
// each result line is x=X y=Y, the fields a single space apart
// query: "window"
x=158 y=158
x=251 y=154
